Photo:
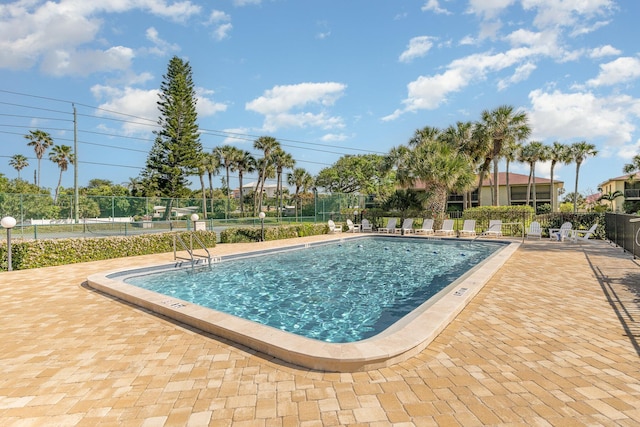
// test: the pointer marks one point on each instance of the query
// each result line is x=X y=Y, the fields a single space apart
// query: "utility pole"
x=76 y=203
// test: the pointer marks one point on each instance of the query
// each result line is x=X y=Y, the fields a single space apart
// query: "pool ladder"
x=194 y=258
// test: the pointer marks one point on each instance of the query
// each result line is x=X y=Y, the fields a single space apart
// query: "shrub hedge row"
x=50 y=252
x=253 y=234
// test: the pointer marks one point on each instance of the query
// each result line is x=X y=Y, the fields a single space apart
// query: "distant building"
x=269 y=189
x=629 y=188
x=518 y=185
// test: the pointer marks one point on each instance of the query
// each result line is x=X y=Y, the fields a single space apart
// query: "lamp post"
x=8 y=222
x=261 y=215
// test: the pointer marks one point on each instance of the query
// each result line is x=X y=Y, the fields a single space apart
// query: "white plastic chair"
x=534 y=230
x=447 y=228
x=333 y=228
x=560 y=233
x=366 y=226
x=427 y=227
x=407 y=226
x=468 y=228
x=390 y=228
x=580 y=236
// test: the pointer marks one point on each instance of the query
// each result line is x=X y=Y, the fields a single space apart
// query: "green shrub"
x=50 y=252
x=253 y=234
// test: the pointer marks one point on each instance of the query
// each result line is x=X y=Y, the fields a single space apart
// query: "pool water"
x=339 y=292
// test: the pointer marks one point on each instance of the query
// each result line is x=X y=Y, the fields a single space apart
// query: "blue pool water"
x=338 y=292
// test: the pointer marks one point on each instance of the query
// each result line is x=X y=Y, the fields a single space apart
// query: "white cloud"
x=429 y=92
x=621 y=70
x=161 y=47
x=240 y=3
x=85 y=62
x=566 y=13
x=488 y=9
x=222 y=26
x=131 y=102
x=279 y=105
x=628 y=151
x=57 y=35
x=602 y=51
x=582 y=115
x=205 y=106
x=221 y=32
x=418 y=47
x=139 y=106
x=522 y=73
x=434 y=6
x=333 y=137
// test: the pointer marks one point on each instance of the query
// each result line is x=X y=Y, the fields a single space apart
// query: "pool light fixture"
x=261 y=215
x=8 y=222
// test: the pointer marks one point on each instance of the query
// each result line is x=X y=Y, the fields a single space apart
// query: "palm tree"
x=19 y=162
x=579 y=153
x=510 y=151
x=201 y=167
x=265 y=171
x=441 y=166
x=558 y=153
x=40 y=141
x=267 y=144
x=501 y=126
x=244 y=162
x=281 y=160
x=610 y=196
x=61 y=155
x=633 y=167
x=532 y=153
x=300 y=179
x=212 y=166
x=461 y=136
x=226 y=156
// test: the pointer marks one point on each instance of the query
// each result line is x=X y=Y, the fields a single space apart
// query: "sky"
x=325 y=78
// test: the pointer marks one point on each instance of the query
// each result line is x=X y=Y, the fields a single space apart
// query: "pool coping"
x=401 y=341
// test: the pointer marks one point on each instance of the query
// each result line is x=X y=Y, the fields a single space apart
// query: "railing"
x=624 y=231
x=631 y=194
x=189 y=249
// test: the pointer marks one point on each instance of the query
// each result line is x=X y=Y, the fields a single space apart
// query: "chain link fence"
x=39 y=217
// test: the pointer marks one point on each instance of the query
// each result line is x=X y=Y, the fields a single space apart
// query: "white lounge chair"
x=390 y=228
x=352 y=227
x=427 y=227
x=333 y=228
x=534 y=230
x=495 y=228
x=366 y=226
x=468 y=228
x=560 y=233
x=407 y=226
x=580 y=236
x=447 y=228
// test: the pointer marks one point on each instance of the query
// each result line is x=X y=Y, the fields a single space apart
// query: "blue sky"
x=326 y=78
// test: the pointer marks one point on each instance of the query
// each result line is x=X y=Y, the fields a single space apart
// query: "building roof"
x=621 y=178
x=515 y=179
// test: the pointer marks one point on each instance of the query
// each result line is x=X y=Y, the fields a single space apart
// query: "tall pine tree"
x=175 y=152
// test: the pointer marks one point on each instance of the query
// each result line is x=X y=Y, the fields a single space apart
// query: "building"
x=518 y=185
x=269 y=189
x=629 y=188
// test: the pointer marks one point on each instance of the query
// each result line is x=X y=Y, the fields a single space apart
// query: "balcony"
x=632 y=194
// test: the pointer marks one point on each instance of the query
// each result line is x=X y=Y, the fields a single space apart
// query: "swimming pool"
x=342 y=291
x=398 y=341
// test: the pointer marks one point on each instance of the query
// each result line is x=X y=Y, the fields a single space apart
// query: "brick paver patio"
x=552 y=339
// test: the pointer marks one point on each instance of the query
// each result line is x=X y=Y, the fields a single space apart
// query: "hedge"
x=253 y=234
x=50 y=252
